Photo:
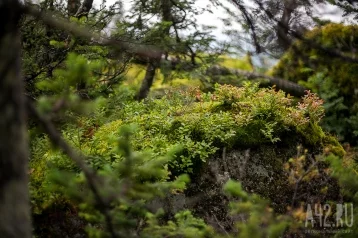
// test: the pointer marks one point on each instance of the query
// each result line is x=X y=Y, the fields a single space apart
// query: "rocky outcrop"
x=260 y=170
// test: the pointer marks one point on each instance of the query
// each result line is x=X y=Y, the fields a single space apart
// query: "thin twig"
x=220 y=225
x=300 y=179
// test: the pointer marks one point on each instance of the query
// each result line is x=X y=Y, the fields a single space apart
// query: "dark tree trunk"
x=148 y=80
x=86 y=6
x=72 y=7
x=153 y=65
x=14 y=198
x=76 y=9
x=283 y=25
x=81 y=11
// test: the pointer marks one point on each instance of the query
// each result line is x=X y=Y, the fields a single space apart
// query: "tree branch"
x=249 y=21
x=79 y=31
x=282 y=84
x=79 y=159
x=312 y=44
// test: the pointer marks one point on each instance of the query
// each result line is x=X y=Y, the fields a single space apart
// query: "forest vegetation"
x=133 y=119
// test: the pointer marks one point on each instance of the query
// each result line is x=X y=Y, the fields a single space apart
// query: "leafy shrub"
x=203 y=123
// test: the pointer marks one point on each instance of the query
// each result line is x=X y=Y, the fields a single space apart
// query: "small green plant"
x=258 y=219
x=346 y=173
x=126 y=187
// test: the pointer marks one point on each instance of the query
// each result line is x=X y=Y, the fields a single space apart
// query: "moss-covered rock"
x=247 y=134
x=204 y=123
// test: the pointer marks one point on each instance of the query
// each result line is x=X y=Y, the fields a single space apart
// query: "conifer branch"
x=61 y=23
x=79 y=159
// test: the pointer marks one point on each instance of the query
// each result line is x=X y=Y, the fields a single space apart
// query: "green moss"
x=234 y=63
x=333 y=146
x=312 y=133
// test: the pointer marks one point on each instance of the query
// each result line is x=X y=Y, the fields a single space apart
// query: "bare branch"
x=250 y=22
x=285 y=85
x=300 y=179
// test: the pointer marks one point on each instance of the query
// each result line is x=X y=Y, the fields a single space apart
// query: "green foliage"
x=126 y=185
x=224 y=76
x=40 y=198
x=260 y=221
x=333 y=79
x=77 y=70
x=235 y=63
x=135 y=179
x=229 y=116
x=45 y=49
x=174 y=135
x=185 y=225
x=142 y=150
x=347 y=175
